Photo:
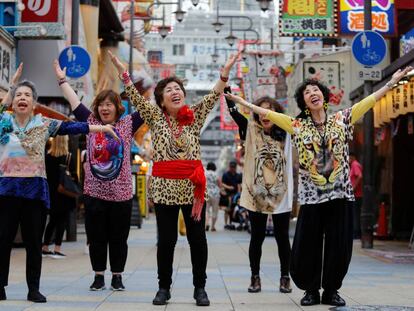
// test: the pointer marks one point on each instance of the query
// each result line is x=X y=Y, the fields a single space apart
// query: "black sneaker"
x=2 y=294
x=58 y=255
x=116 y=283
x=332 y=299
x=46 y=253
x=311 y=298
x=98 y=283
x=36 y=296
x=201 y=297
x=162 y=296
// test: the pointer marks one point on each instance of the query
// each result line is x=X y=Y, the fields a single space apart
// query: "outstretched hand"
x=231 y=61
x=60 y=74
x=117 y=63
x=109 y=129
x=16 y=77
x=237 y=99
x=399 y=74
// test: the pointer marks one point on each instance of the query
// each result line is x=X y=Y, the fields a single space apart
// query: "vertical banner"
x=308 y=18
x=142 y=194
x=391 y=111
x=384 y=113
x=352 y=16
x=411 y=96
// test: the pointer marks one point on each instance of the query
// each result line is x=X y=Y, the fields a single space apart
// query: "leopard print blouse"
x=167 y=147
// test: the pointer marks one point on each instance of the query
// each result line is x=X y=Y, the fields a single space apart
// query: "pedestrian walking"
x=213 y=191
x=231 y=185
x=322 y=247
x=356 y=180
x=267 y=188
x=24 y=194
x=108 y=183
x=178 y=180
x=60 y=205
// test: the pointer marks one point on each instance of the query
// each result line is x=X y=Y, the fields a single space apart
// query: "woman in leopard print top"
x=178 y=180
x=324 y=234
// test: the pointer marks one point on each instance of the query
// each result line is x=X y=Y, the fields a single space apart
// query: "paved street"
x=372 y=280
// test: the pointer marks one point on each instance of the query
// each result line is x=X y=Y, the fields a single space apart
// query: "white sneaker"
x=58 y=255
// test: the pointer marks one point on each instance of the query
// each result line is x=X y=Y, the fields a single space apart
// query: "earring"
x=307 y=112
x=325 y=105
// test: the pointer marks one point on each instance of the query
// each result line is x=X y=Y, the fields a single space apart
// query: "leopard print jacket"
x=166 y=147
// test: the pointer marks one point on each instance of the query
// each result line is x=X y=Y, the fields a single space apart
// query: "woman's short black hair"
x=275 y=132
x=211 y=166
x=300 y=100
x=162 y=84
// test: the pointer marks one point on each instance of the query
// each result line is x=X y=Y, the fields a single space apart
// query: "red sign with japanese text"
x=40 y=11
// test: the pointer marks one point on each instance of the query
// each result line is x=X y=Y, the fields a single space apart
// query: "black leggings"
x=322 y=247
x=167 y=218
x=57 y=220
x=258 y=231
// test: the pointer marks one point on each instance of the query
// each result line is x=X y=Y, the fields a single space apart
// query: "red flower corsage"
x=185 y=116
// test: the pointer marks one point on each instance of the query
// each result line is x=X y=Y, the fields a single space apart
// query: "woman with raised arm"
x=267 y=187
x=322 y=247
x=178 y=180
x=108 y=183
x=24 y=194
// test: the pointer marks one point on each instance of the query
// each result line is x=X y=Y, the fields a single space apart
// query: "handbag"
x=67 y=185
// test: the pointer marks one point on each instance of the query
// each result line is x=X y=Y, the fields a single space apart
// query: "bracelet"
x=389 y=84
x=125 y=78
x=61 y=81
x=233 y=109
x=224 y=79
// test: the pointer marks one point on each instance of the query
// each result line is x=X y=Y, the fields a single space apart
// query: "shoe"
x=46 y=253
x=162 y=296
x=98 y=283
x=284 y=286
x=311 y=298
x=213 y=229
x=201 y=297
x=116 y=283
x=207 y=227
x=58 y=255
x=36 y=296
x=255 y=284
x=239 y=228
x=3 y=294
x=332 y=299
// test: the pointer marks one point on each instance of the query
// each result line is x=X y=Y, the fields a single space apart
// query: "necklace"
x=176 y=132
x=20 y=130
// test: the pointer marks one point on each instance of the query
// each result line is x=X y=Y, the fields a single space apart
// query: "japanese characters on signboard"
x=46 y=13
x=308 y=18
x=7 y=57
x=331 y=73
x=352 y=16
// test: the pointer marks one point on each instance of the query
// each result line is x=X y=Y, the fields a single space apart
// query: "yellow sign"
x=142 y=194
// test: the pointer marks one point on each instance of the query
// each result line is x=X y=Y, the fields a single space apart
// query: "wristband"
x=125 y=77
x=224 y=79
x=61 y=81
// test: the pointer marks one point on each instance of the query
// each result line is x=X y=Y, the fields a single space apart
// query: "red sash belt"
x=185 y=169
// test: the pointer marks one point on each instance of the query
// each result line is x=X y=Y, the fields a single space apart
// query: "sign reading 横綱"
x=7 y=58
x=46 y=13
x=310 y=18
x=352 y=16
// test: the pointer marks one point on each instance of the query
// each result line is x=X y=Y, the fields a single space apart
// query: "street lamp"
x=230 y=38
x=179 y=15
x=163 y=30
x=215 y=57
x=195 y=2
x=264 y=4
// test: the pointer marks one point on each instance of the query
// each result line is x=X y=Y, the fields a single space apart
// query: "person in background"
x=356 y=180
x=231 y=183
x=60 y=205
x=213 y=192
x=322 y=246
x=24 y=192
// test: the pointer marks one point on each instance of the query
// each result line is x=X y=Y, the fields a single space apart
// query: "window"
x=178 y=49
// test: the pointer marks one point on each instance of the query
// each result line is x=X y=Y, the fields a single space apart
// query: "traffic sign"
x=76 y=60
x=369 y=48
x=369 y=74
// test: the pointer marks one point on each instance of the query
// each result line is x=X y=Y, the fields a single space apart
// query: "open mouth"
x=315 y=100
x=22 y=105
x=176 y=99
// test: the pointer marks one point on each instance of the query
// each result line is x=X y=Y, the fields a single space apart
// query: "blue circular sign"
x=76 y=60
x=369 y=48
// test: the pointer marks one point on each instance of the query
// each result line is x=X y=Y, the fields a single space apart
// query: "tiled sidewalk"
x=65 y=282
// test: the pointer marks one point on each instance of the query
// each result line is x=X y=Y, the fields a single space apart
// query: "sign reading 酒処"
x=308 y=18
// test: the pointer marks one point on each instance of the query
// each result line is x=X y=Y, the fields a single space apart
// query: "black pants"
x=31 y=215
x=357 y=218
x=107 y=223
x=327 y=228
x=281 y=232
x=167 y=218
x=57 y=222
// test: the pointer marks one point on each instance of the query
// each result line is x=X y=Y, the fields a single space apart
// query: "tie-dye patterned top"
x=22 y=154
x=324 y=152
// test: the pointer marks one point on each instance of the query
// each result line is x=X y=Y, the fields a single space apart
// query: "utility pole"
x=131 y=44
x=368 y=202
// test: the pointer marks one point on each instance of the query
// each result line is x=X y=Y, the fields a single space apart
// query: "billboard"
x=352 y=16
x=308 y=18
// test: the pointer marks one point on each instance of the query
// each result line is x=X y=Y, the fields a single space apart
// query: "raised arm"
x=7 y=100
x=280 y=119
x=147 y=110
x=359 y=109
x=224 y=75
x=240 y=120
x=67 y=90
